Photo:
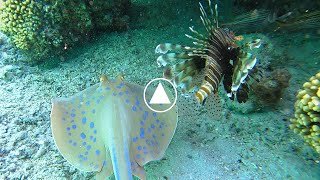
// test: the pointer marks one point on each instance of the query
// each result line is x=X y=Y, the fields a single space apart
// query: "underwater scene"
x=159 y=89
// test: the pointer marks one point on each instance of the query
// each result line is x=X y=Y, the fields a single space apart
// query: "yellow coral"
x=20 y=19
x=307 y=112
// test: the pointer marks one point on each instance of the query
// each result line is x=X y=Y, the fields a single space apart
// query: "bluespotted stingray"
x=108 y=128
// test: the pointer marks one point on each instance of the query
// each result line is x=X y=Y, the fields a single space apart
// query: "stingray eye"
x=103 y=78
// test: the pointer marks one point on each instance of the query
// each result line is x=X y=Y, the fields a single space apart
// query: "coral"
x=48 y=27
x=269 y=88
x=306 y=121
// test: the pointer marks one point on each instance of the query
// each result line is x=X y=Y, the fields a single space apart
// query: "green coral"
x=46 y=27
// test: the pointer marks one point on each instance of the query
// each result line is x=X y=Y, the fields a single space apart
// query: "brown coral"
x=269 y=89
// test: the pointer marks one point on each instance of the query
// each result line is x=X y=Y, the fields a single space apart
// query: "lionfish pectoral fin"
x=245 y=63
x=164 y=59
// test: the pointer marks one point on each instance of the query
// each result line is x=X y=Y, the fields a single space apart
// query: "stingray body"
x=107 y=129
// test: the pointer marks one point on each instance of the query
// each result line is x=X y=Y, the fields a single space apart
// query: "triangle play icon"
x=160 y=96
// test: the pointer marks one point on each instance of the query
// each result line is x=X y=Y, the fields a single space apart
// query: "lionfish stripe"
x=164 y=48
x=215 y=66
x=220 y=37
x=214 y=52
x=200 y=96
x=165 y=58
x=204 y=92
x=213 y=77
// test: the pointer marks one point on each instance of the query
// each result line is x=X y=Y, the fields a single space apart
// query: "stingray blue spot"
x=157 y=121
x=145 y=152
x=86 y=153
x=141 y=133
x=153 y=126
x=137 y=102
x=132 y=163
x=80 y=156
x=104 y=163
x=160 y=126
x=94 y=139
x=97 y=152
x=66 y=112
x=91 y=137
x=96 y=166
x=144 y=117
x=140 y=108
x=154 y=114
x=118 y=87
x=139 y=148
x=134 y=170
x=121 y=84
x=91 y=125
x=127 y=101
x=107 y=88
x=88 y=147
x=146 y=113
x=127 y=92
x=114 y=94
x=70 y=141
x=134 y=108
x=98 y=101
x=138 y=156
x=74 y=144
x=120 y=93
x=144 y=148
x=83 y=112
x=95 y=131
x=88 y=103
x=142 y=123
x=69 y=134
x=84 y=143
x=84 y=120
x=82 y=135
x=149 y=130
x=93 y=111
x=68 y=129
x=74 y=126
x=135 y=139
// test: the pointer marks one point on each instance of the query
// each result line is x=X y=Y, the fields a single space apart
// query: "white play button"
x=160 y=96
x=162 y=99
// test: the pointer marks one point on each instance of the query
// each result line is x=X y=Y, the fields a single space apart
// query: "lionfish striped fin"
x=245 y=62
x=164 y=59
x=164 y=48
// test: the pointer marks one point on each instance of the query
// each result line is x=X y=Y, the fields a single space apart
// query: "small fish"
x=108 y=128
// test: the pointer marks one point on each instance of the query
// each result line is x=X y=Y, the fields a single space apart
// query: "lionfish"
x=215 y=58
